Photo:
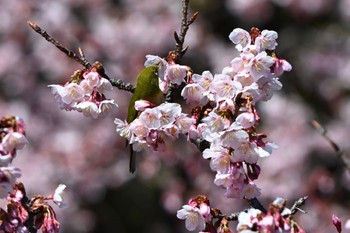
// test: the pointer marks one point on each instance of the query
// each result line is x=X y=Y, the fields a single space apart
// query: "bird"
x=147 y=88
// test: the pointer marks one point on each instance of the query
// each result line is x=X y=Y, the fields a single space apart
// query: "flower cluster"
x=169 y=72
x=197 y=213
x=277 y=219
x=85 y=92
x=227 y=114
x=154 y=125
x=20 y=208
x=22 y=214
x=255 y=73
x=224 y=112
x=12 y=138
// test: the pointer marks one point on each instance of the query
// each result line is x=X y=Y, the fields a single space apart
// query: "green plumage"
x=147 y=88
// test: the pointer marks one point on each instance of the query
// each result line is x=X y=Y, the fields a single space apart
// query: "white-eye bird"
x=147 y=88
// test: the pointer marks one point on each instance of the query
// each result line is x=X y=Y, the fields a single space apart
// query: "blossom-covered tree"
x=216 y=112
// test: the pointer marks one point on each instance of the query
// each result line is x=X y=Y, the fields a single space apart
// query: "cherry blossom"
x=85 y=93
x=193 y=218
x=240 y=37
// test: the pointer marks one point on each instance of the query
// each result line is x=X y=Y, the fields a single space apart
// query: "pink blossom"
x=246 y=80
x=219 y=159
x=88 y=108
x=86 y=87
x=50 y=223
x=246 y=119
x=224 y=104
x=194 y=94
x=8 y=177
x=238 y=64
x=337 y=223
x=138 y=128
x=194 y=219
x=92 y=78
x=104 y=85
x=280 y=66
x=250 y=190
x=59 y=91
x=248 y=218
x=203 y=80
x=154 y=60
x=106 y=106
x=176 y=73
x=224 y=180
x=14 y=140
x=122 y=128
x=5 y=160
x=259 y=66
x=169 y=112
x=204 y=210
x=246 y=152
x=234 y=138
x=171 y=131
x=151 y=118
x=73 y=93
x=235 y=189
x=57 y=198
x=223 y=86
x=184 y=123
x=266 y=150
x=215 y=123
x=141 y=105
x=267 y=40
x=241 y=38
x=267 y=85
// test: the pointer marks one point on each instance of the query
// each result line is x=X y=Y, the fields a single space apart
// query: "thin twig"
x=231 y=217
x=82 y=56
x=185 y=23
x=255 y=203
x=296 y=207
x=81 y=59
x=201 y=144
x=66 y=51
x=339 y=153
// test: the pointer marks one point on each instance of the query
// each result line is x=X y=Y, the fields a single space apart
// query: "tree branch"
x=255 y=203
x=339 y=153
x=66 y=51
x=185 y=23
x=81 y=59
x=296 y=207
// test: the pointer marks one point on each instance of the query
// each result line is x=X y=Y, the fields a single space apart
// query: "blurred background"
x=91 y=159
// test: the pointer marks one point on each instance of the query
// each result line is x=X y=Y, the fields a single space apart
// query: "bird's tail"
x=132 y=164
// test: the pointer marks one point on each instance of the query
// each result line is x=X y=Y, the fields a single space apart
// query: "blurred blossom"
x=315 y=6
x=57 y=198
x=251 y=10
x=344 y=8
x=86 y=153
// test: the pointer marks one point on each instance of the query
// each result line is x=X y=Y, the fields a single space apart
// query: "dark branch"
x=81 y=59
x=185 y=24
x=66 y=51
x=296 y=207
x=255 y=203
x=340 y=154
x=201 y=144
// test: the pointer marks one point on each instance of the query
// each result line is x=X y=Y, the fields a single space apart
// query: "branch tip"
x=32 y=25
x=193 y=18
x=184 y=50
x=177 y=39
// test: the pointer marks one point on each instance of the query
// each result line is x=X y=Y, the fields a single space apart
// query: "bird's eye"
x=156 y=72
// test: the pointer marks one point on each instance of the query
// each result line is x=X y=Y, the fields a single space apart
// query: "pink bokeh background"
x=91 y=159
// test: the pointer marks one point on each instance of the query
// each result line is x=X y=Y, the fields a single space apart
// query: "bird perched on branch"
x=147 y=88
